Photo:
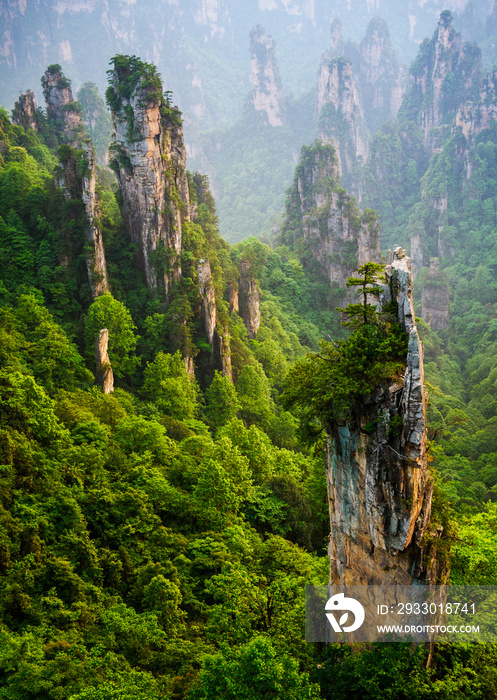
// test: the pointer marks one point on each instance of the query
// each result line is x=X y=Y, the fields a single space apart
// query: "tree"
x=168 y=385
x=363 y=313
x=222 y=401
x=107 y=312
x=325 y=385
x=254 y=671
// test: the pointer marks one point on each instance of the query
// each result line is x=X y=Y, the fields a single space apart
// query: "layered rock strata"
x=379 y=486
x=149 y=158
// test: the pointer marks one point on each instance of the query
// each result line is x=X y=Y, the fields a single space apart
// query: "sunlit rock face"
x=379 y=486
x=105 y=375
x=149 y=159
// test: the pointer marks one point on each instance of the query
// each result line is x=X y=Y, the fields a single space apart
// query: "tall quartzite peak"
x=324 y=219
x=381 y=77
x=379 y=485
x=76 y=176
x=149 y=158
x=25 y=112
x=445 y=74
x=267 y=90
x=62 y=109
x=341 y=118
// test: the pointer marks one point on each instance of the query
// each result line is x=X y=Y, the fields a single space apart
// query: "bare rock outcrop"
x=379 y=486
x=248 y=297
x=444 y=76
x=105 y=376
x=208 y=297
x=149 y=158
x=267 y=91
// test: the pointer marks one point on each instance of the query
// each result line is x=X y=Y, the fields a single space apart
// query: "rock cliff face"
x=382 y=79
x=330 y=225
x=379 y=486
x=76 y=175
x=25 y=112
x=267 y=91
x=444 y=76
x=436 y=298
x=149 y=159
x=248 y=299
x=341 y=117
x=208 y=296
x=474 y=117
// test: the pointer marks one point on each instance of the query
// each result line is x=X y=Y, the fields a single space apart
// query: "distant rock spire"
x=25 y=111
x=336 y=40
x=382 y=79
x=341 y=117
x=267 y=91
x=61 y=106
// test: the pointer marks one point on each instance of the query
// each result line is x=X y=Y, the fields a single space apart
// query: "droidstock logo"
x=340 y=603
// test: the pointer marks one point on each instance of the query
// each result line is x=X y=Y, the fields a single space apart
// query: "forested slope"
x=156 y=540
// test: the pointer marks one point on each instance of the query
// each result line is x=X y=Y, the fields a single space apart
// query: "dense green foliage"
x=155 y=542
x=326 y=385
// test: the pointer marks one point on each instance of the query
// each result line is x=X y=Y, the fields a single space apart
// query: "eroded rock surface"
x=105 y=376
